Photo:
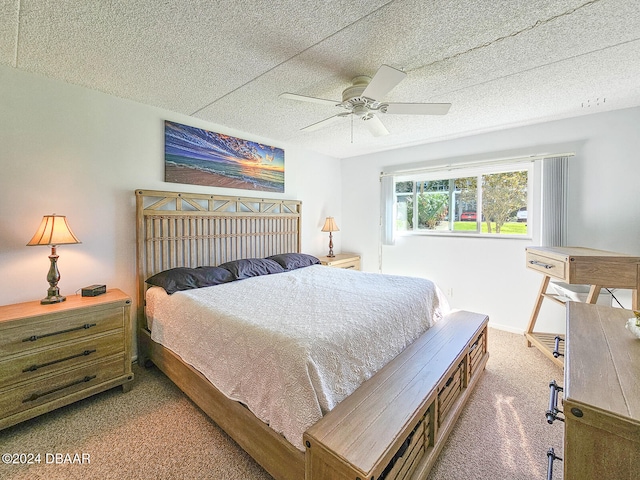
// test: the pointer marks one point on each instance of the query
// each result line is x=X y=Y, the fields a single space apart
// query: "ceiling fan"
x=363 y=100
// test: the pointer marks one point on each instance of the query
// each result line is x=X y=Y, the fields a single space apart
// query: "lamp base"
x=53 y=294
x=53 y=277
x=330 y=255
x=53 y=299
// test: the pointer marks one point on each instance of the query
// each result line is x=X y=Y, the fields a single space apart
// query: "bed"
x=388 y=410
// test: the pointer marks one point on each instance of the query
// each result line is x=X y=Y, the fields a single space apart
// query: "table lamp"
x=330 y=226
x=53 y=231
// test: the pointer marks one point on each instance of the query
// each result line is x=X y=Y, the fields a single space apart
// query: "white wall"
x=489 y=275
x=71 y=151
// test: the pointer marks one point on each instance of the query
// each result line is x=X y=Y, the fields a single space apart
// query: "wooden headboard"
x=192 y=229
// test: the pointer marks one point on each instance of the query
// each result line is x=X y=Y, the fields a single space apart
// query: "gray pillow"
x=184 y=278
x=291 y=261
x=251 y=267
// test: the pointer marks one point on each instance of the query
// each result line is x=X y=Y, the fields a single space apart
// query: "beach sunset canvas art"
x=199 y=157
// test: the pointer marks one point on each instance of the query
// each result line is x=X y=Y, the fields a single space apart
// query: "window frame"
x=465 y=172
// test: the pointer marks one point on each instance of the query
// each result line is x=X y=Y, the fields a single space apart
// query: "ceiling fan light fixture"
x=360 y=110
x=363 y=98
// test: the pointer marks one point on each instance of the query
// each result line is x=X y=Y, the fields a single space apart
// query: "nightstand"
x=54 y=355
x=342 y=260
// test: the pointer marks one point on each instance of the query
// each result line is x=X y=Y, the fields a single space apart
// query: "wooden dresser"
x=54 y=355
x=342 y=260
x=601 y=395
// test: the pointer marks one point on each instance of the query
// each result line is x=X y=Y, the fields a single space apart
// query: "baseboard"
x=505 y=328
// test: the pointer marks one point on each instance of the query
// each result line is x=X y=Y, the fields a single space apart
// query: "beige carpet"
x=155 y=432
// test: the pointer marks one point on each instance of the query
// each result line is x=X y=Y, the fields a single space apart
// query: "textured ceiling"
x=504 y=63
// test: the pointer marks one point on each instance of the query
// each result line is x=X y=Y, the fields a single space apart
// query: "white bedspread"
x=291 y=346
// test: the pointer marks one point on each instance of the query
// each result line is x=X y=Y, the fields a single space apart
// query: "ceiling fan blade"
x=383 y=82
x=375 y=126
x=304 y=98
x=324 y=123
x=418 y=108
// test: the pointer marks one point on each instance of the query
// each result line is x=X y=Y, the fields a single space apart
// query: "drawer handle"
x=448 y=382
x=540 y=264
x=35 y=396
x=33 y=368
x=475 y=345
x=33 y=338
x=551 y=457
x=556 y=350
x=552 y=413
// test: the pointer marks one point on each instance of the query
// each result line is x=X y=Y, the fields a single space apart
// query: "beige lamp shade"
x=53 y=230
x=330 y=225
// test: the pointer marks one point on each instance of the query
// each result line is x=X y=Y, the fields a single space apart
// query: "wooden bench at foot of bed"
x=395 y=424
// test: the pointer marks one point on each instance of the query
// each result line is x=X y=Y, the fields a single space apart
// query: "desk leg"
x=634 y=300
x=594 y=291
x=536 y=308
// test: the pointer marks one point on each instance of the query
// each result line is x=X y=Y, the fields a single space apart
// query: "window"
x=485 y=201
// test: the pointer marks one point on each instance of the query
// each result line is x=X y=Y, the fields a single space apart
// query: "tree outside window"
x=503 y=194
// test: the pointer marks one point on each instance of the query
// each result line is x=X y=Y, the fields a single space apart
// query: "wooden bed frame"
x=392 y=427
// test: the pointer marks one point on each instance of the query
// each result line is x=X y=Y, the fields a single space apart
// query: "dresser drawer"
x=52 y=387
x=352 y=265
x=476 y=353
x=48 y=331
x=547 y=265
x=411 y=452
x=449 y=392
x=44 y=361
